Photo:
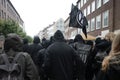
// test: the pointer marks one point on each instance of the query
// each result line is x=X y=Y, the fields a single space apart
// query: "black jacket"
x=62 y=62
x=59 y=64
x=113 y=71
x=34 y=48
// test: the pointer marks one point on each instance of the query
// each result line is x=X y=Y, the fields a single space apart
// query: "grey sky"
x=37 y=14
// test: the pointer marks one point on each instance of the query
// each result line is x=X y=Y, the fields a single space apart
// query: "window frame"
x=92 y=27
x=93 y=6
x=98 y=3
x=103 y=17
x=98 y=17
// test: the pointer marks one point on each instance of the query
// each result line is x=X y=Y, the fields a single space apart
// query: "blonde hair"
x=115 y=50
x=110 y=36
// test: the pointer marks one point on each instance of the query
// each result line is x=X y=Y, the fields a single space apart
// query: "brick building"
x=7 y=11
x=103 y=16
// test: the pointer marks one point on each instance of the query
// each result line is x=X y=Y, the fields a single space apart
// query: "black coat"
x=62 y=62
x=26 y=48
x=113 y=71
x=33 y=50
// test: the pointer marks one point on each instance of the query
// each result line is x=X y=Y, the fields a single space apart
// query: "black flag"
x=77 y=19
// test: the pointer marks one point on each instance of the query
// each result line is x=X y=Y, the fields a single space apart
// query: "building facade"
x=47 y=32
x=52 y=28
x=59 y=25
x=8 y=12
x=102 y=15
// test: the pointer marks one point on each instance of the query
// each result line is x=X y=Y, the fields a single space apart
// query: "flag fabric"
x=73 y=14
x=78 y=20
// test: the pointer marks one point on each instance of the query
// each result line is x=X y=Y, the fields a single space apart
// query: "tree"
x=30 y=40
x=10 y=26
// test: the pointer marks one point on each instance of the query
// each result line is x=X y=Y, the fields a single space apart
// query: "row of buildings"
x=102 y=15
x=51 y=29
x=8 y=12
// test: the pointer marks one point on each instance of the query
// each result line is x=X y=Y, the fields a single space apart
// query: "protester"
x=89 y=70
x=41 y=58
x=71 y=42
x=25 y=45
x=13 y=48
x=111 y=64
x=110 y=36
x=34 y=48
x=62 y=62
x=51 y=40
x=2 y=40
x=82 y=49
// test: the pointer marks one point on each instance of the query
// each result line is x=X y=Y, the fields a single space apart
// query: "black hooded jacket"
x=60 y=61
x=34 y=48
x=25 y=45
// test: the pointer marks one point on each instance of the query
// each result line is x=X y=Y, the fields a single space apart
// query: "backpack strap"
x=5 y=58
x=16 y=57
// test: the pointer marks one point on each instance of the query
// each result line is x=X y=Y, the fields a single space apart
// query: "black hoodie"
x=60 y=59
x=34 y=48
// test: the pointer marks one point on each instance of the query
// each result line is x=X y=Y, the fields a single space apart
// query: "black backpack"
x=10 y=71
x=83 y=50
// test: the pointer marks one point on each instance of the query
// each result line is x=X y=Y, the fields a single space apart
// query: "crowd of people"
x=60 y=59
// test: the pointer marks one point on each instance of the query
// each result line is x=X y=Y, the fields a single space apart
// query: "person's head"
x=2 y=40
x=114 y=51
x=25 y=41
x=79 y=38
x=98 y=40
x=116 y=44
x=58 y=36
x=89 y=42
x=14 y=42
x=110 y=36
x=51 y=39
x=36 y=40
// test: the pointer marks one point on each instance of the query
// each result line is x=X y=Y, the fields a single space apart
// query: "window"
x=88 y=28
x=98 y=22
x=98 y=2
x=93 y=6
x=105 y=18
x=81 y=3
x=105 y=1
x=92 y=24
x=2 y=2
x=85 y=12
x=0 y=14
x=85 y=1
x=88 y=10
x=5 y=15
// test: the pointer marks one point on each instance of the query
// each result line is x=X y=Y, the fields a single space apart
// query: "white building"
x=59 y=25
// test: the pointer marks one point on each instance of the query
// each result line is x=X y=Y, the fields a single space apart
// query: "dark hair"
x=25 y=41
x=89 y=42
x=58 y=36
x=36 y=40
x=79 y=38
x=14 y=42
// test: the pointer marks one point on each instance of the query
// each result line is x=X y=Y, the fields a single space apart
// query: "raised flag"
x=78 y=20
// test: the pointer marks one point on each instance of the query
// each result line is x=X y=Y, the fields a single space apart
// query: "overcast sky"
x=37 y=14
